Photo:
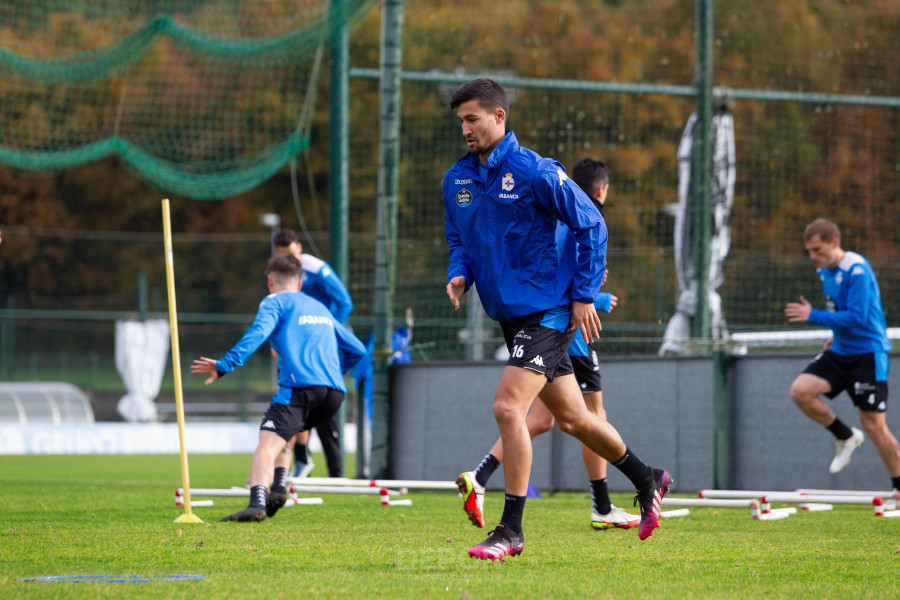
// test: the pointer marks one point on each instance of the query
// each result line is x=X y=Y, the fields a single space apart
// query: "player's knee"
x=799 y=394
x=872 y=426
x=505 y=409
x=599 y=411
x=540 y=426
x=572 y=426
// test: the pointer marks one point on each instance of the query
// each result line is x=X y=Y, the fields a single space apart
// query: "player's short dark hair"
x=285 y=238
x=489 y=93
x=825 y=229
x=283 y=266
x=589 y=173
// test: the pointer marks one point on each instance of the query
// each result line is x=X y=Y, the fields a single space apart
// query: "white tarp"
x=679 y=328
x=142 y=350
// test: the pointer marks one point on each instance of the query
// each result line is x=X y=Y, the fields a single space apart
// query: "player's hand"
x=798 y=312
x=605 y=274
x=613 y=300
x=584 y=317
x=828 y=344
x=455 y=289
x=205 y=366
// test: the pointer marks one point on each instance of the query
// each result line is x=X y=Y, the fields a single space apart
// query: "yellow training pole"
x=188 y=516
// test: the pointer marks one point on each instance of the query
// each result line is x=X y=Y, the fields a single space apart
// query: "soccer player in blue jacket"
x=855 y=359
x=314 y=350
x=592 y=176
x=502 y=203
x=322 y=283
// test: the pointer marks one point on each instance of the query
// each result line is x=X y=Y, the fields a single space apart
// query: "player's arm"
x=575 y=210
x=857 y=310
x=351 y=350
x=340 y=303
x=459 y=272
x=253 y=338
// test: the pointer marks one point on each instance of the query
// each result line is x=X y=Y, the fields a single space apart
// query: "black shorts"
x=587 y=372
x=855 y=374
x=536 y=347
x=309 y=405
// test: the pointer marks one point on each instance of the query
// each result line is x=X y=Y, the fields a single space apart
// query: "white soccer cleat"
x=844 y=448
x=615 y=518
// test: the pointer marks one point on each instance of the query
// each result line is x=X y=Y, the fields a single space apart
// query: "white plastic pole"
x=734 y=493
x=179 y=501
x=416 y=484
x=720 y=503
x=304 y=501
x=321 y=489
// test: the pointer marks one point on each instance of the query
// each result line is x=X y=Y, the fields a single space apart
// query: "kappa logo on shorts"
x=268 y=425
x=463 y=197
x=537 y=360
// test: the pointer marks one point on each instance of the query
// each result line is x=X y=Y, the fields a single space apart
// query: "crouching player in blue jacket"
x=313 y=352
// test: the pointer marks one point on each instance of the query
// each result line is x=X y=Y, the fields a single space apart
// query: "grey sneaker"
x=843 y=449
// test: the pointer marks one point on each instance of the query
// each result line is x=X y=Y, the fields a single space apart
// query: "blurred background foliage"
x=77 y=237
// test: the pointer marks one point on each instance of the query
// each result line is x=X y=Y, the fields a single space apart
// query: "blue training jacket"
x=321 y=282
x=502 y=232
x=313 y=348
x=854 y=311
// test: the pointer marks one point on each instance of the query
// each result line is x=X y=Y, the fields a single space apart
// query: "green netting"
x=202 y=99
x=796 y=160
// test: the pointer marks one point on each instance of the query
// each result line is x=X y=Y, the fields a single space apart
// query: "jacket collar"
x=508 y=143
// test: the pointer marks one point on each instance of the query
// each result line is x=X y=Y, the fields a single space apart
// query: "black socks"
x=280 y=481
x=839 y=429
x=487 y=467
x=600 y=496
x=512 y=513
x=631 y=466
x=258 y=495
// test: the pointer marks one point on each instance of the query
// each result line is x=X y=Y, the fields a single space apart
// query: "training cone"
x=532 y=491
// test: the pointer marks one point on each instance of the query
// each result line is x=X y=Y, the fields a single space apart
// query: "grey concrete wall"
x=442 y=424
x=778 y=447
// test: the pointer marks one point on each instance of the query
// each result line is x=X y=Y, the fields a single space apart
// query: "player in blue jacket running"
x=592 y=176
x=322 y=283
x=855 y=359
x=502 y=203
x=313 y=352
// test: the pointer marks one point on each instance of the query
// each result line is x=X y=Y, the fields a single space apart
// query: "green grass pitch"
x=113 y=515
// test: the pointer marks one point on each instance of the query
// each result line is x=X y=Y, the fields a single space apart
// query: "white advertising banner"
x=127 y=438
x=141 y=438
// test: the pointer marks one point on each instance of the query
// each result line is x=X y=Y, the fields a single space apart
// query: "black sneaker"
x=251 y=513
x=275 y=500
x=499 y=543
x=650 y=499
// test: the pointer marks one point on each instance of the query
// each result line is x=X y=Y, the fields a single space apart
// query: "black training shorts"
x=855 y=374
x=536 y=347
x=309 y=405
x=587 y=372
